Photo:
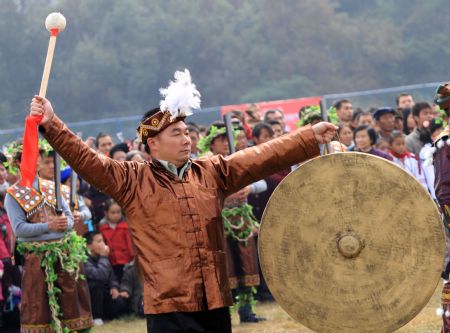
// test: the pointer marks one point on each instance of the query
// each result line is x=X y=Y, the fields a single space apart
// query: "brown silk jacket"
x=176 y=224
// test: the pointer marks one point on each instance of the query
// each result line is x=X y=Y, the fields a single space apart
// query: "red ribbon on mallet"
x=30 y=150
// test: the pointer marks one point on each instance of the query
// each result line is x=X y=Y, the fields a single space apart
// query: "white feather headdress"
x=181 y=96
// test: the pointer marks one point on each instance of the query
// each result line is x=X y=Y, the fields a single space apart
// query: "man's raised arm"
x=258 y=162
x=105 y=174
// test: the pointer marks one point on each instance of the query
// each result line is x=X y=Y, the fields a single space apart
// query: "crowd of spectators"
x=403 y=134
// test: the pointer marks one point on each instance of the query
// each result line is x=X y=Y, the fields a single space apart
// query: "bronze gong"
x=350 y=242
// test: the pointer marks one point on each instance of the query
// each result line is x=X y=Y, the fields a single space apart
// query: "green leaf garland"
x=240 y=229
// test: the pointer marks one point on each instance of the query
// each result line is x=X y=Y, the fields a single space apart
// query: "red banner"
x=289 y=107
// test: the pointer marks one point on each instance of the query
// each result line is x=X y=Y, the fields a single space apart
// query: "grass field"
x=279 y=322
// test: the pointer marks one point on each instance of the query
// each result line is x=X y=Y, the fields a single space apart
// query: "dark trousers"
x=211 y=321
x=118 y=272
x=103 y=306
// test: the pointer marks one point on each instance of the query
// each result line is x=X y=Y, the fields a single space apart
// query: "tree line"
x=114 y=55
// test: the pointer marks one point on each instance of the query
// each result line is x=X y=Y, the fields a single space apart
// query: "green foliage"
x=332 y=115
x=310 y=114
x=114 y=55
x=239 y=222
x=243 y=298
x=14 y=148
x=204 y=143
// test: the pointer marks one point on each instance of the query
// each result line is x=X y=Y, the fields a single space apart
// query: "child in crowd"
x=403 y=158
x=117 y=236
x=103 y=285
x=382 y=145
x=131 y=289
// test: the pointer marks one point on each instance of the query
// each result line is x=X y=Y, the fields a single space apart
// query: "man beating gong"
x=173 y=203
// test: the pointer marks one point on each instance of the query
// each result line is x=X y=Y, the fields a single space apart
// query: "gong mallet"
x=324 y=113
x=55 y=23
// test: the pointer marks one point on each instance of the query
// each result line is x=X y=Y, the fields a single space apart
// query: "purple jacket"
x=378 y=153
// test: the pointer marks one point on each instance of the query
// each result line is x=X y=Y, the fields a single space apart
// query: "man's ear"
x=152 y=142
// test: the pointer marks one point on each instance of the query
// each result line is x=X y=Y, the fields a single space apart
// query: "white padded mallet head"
x=55 y=21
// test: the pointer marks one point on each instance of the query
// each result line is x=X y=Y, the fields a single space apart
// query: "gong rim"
x=351 y=275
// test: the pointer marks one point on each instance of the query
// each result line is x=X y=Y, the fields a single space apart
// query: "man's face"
x=365 y=120
x=405 y=102
x=219 y=146
x=345 y=112
x=104 y=145
x=264 y=136
x=194 y=140
x=424 y=115
x=277 y=130
x=173 y=144
x=45 y=167
x=277 y=116
x=386 y=122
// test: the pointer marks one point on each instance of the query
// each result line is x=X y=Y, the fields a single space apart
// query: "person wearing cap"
x=173 y=204
x=422 y=113
x=439 y=157
x=384 y=121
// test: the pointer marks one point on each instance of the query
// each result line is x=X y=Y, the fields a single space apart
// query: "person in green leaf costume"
x=55 y=296
x=240 y=227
